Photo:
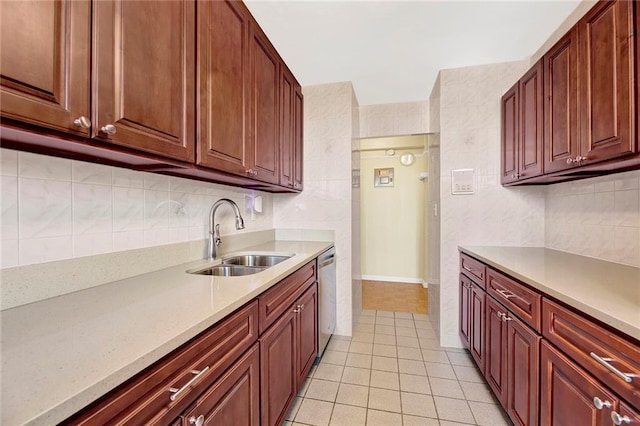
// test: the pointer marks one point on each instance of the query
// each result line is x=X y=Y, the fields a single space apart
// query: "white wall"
x=54 y=209
x=394 y=119
x=493 y=215
x=326 y=201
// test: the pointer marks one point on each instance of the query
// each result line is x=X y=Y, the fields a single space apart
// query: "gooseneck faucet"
x=214 y=229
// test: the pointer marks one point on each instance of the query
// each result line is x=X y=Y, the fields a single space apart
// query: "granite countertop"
x=607 y=291
x=60 y=354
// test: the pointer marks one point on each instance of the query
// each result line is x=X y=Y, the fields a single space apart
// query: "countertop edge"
x=618 y=324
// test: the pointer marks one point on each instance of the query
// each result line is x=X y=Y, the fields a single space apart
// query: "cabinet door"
x=298 y=137
x=510 y=133
x=278 y=370
x=606 y=82
x=264 y=107
x=287 y=130
x=567 y=393
x=45 y=62
x=496 y=356
x=531 y=123
x=465 y=319
x=627 y=415
x=234 y=399
x=477 y=313
x=307 y=332
x=561 y=104
x=223 y=75
x=523 y=362
x=143 y=76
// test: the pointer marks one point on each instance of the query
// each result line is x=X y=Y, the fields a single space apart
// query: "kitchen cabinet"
x=144 y=90
x=477 y=318
x=223 y=78
x=570 y=395
x=465 y=305
x=290 y=130
x=496 y=341
x=45 y=63
x=233 y=399
x=522 y=128
x=287 y=351
x=133 y=84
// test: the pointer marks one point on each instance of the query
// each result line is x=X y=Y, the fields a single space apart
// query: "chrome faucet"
x=214 y=229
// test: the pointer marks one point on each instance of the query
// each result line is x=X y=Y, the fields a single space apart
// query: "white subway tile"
x=127 y=178
x=92 y=244
x=128 y=240
x=627 y=208
x=156 y=182
x=9 y=253
x=156 y=210
x=128 y=209
x=92 y=209
x=8 y=162
x=91 y=173
x=43 y=167
x=9 y=207
x=40 y=250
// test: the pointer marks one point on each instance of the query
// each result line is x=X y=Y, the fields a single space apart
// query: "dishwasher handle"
x=328 y=261
x=327 y=258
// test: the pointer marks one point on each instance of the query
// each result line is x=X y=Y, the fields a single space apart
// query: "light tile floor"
x=393 y=373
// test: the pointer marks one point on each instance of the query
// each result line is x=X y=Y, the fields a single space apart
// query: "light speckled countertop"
x=609 y=292
x=60 y=354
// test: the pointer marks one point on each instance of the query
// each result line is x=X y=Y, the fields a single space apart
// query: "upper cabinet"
x=45 y=63
x=587 y=99
x=522 y=137
x=186 y=88
x=143 y=76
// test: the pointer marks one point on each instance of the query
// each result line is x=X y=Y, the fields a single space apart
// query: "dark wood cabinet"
x=477 y=318
x=233 y=399
x=223 y=78
x=143 y=76
x=290 y=130
x=510 y=135
x=264 y=83
x=496 y=342
x=606 y=76
x=561 y=103
x=298 y=138
x=45 y=63
x=278 y=368
x=287 y=352
x=465 y=305
x=568 y=394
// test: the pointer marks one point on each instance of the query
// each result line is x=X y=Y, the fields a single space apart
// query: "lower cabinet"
x=476 y=313
x=234 y=399
x=465 y=319
x=287 y=352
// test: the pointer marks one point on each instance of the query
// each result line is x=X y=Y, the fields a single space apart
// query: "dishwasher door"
x=326 y=298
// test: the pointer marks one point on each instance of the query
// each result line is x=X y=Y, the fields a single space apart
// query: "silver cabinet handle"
x=176 y=392
x=505 y=293
x=196 y=421
x=83 y=122
x=627 y=377
x=600 y=404
x=505 y=317
x=466 y=268
x=297 y=310
x=109 y=129
x=301 y=307
x=579 y=159
x=570 y=160
x=499 y=314
x=618 y=419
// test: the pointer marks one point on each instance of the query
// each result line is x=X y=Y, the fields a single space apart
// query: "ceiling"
x=392 y=50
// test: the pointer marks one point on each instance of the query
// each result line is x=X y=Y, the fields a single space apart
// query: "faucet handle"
x=216 y=236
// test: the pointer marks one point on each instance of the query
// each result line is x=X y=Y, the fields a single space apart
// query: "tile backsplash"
x=54 y=209
x=597 y=217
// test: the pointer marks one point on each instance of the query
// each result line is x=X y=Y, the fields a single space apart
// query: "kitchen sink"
x=228 y=270
x=259 y=260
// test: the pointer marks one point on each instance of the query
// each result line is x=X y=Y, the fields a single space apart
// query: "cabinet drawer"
x=146 y=398
x=583 y=340
x=275 y=301
x=473 y=269
x=523 y=302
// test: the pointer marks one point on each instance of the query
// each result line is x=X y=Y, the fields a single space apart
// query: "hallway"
x=394 y=296
x=393 y=373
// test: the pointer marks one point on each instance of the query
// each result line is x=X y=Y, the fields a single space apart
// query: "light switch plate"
x=462 y=181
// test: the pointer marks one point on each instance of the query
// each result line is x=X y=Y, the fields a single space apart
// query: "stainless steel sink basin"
x=260 y=260
x=228 y=270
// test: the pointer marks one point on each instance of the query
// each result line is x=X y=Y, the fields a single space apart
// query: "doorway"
x=393 y=225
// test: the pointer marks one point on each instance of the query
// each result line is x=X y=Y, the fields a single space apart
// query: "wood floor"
x=397 y=297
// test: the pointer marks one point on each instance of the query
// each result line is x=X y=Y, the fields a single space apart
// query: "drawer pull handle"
x=297 y=310
x=176 y=392
x=499 y=315
x=505 y=293
x=196 y=421
x=506 y=318
x=618 y=419
x=627 y=377
x=466 y=268
x=600 y=404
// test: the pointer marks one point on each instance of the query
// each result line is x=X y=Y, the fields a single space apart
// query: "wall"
x=433 y=209
x=493 y=215
x=54 y=209
x=326 y=202
x=393 y=232
x=598 y=217
x=356 y=249
x=394 y=119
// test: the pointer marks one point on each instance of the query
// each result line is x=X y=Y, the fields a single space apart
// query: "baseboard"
x=386 y=278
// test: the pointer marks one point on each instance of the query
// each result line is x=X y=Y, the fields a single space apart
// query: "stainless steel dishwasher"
x=326 y=298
